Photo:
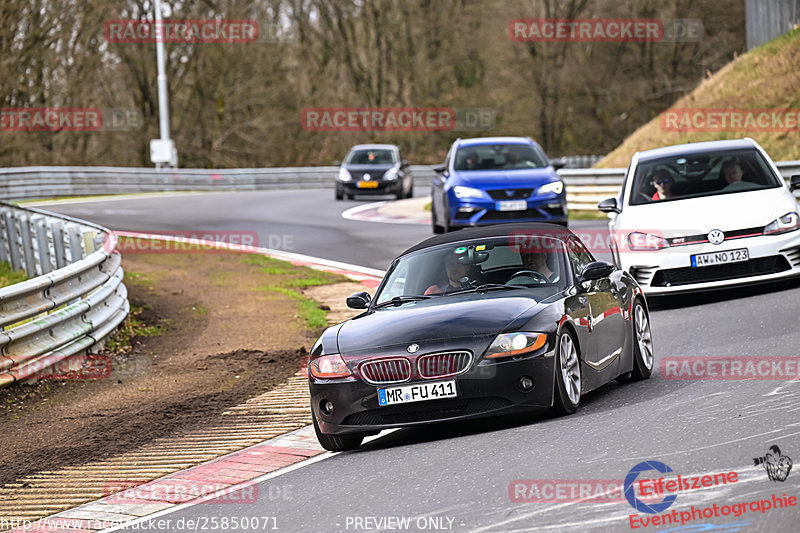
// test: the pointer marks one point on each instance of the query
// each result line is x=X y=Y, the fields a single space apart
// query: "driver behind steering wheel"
x=536 y=264
x=457 y=276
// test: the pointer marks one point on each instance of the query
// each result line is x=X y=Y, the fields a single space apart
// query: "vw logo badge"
x=412 y=348
x=716 y=236
x=367 y=177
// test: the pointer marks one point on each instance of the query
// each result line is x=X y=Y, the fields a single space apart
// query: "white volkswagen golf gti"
x=703 y=216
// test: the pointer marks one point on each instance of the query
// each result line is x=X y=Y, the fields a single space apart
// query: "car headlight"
x=344 y=175
x=509 y=344
x=467 y=192
x=556 y=187
x=788 y=222
x=329 y=367
x=646 y=241
x=390 y=174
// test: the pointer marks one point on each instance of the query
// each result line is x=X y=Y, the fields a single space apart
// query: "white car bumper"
x=669 y=271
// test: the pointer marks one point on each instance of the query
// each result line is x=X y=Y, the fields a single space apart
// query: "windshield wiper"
x=397 y=300
x=488 y=287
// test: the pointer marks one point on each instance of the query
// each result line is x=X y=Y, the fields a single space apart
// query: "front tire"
x=643 y=357
x=567 y=393
x=339 y=193
x=336 y=443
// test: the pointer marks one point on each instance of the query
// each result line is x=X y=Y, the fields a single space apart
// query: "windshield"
x=446 y=269
x=697 y=175
x=371 y=157
x=499 y=156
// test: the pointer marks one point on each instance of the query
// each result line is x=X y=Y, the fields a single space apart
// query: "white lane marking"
x=116 y=197
x=353 y=212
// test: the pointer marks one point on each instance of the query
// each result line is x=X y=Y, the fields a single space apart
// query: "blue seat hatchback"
x=493 y=180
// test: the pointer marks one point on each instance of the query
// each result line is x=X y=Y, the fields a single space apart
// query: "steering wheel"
x=541 y=278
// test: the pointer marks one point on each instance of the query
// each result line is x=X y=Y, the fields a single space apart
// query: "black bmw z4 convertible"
x=476 y=323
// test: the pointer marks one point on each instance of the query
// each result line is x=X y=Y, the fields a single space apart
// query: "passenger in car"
x=538 y=262
x=732 y=170
x=457 y=276
x=663 y=184
x=471 y=162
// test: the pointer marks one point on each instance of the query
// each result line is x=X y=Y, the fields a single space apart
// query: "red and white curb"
x=232 y=478
x=372 y=213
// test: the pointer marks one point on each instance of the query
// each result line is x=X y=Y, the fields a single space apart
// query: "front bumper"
x=464 y=212
x=669 y=271
x=488 y=388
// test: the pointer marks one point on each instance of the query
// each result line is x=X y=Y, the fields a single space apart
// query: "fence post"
x=27 y=246
x=57 y=229
x=45 y=263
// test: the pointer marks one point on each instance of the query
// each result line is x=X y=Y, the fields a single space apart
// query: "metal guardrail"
x=73 y=300
x=584 y=185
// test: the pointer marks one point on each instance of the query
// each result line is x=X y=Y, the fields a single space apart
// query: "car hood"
x=692 y=216
x=493 y=179
x=458 y=316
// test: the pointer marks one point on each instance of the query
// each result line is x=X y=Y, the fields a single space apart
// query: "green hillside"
x=767 y=77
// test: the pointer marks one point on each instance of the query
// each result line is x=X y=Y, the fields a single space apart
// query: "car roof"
x=496 y=230
x=492 y=140
x=375 y=147
x=696 y=148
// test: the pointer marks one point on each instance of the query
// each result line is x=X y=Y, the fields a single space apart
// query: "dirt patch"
x=216 y=334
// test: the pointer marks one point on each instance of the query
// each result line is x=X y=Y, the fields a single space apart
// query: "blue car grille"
x=510 y=194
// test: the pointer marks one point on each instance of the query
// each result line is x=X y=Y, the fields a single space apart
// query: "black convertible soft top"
x=496 y=230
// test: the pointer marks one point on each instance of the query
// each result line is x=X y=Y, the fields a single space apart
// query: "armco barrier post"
x=57 y=229
x=27 y=246
x=45 y=263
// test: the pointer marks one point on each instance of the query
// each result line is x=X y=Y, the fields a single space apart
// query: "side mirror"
x=596 y=270
x=403 y=163
x=558 y=163
x=337 y=163
x=359 y=300
x=609 y=205
x=794 y=182
x=439 y=169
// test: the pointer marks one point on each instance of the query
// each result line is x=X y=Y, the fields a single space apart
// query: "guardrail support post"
x=45 y=263
x=75 y=244
x=27 y=246
x=57 y=229
x=13 y=241
x=3 y=237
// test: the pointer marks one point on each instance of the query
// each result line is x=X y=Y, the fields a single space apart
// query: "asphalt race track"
x=461 y=477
